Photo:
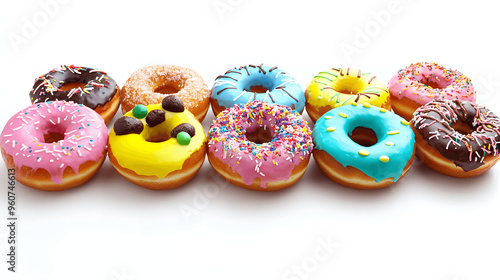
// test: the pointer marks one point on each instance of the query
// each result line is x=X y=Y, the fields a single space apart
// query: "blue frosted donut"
x=263 y=83
x=382 y=163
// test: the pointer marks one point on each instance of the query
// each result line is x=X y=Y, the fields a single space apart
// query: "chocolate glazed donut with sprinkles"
x=83 y=85
x=457 y=138
x=245 y=84
x=260 y=146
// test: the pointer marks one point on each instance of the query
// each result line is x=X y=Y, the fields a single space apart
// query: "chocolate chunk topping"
x=186 y=127
x=155 y=117
x=172 y=103
x=128 y=125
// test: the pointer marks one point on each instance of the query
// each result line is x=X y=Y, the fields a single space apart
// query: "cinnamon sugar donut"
x=149 y=85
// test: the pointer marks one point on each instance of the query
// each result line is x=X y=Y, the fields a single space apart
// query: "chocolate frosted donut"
x=96 y=92
x=469 y=151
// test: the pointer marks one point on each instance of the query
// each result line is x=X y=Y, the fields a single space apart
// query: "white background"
x=426 y=226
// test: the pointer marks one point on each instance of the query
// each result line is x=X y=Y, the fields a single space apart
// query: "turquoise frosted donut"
x=388 y=158
x=244 y=84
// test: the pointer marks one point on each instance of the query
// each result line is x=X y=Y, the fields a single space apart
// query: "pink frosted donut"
x=55 y=145
x=420 y=83
x=260 y=146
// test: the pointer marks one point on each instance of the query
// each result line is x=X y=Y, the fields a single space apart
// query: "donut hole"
x=158 y=137
x=70 y=86
x=258 y=85
x=432 y=84
x=461 y=127
x=259 y=135
x=258 y=89
x=363 y=136
x=442 y=84
x=349 y=85
x=168 y=88
x=53 y=137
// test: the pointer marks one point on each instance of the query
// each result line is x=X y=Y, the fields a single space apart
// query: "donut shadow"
x=313 y=181
x=118 y=115
x=119 y=188
x=48 y=199
x=453 y=185
x=320 y=182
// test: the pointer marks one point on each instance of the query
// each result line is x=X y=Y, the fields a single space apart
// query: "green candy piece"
x=183 y=138
x=140 y=111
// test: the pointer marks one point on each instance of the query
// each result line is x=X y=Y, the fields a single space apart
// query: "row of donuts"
x=409 y=88
x=259 y=140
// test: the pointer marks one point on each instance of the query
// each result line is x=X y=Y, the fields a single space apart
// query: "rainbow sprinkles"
x=271 y=161
x=85 y=137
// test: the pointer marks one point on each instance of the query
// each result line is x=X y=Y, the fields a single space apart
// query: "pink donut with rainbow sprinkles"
x=55 y=145
x=420 y=83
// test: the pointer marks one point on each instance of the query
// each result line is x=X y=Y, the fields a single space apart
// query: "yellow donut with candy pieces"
x=159 y=146
x=336 y=87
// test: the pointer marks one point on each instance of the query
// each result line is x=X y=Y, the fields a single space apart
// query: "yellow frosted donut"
x=159 y=146
x=336 y=87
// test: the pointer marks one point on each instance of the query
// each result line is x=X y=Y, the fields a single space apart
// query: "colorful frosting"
x=423 y=82
x=337 y=87
x=129 y=138
x=85 y=137
x=272 y=161
x=385 y=159
x=99 y=89
x=434 y=119
x=234 y=87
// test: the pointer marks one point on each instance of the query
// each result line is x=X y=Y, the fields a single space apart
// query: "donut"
x=260 y=146
x=54 y=146
x=150 y=84
x=421 y=83
x=336 y=87
x=83 y=85
x=457 y=138
x=263 y=83
x=363 y=146
x=158 y=146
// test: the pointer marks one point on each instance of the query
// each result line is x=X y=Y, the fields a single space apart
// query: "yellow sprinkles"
x=382 y=110
x=405 y=122
x=343 y=115
x=393 y=132
x=330 y=129
x=389 y=143
x=364 y=152
x=367 y=105
x=384 y=158
x=328 y=117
